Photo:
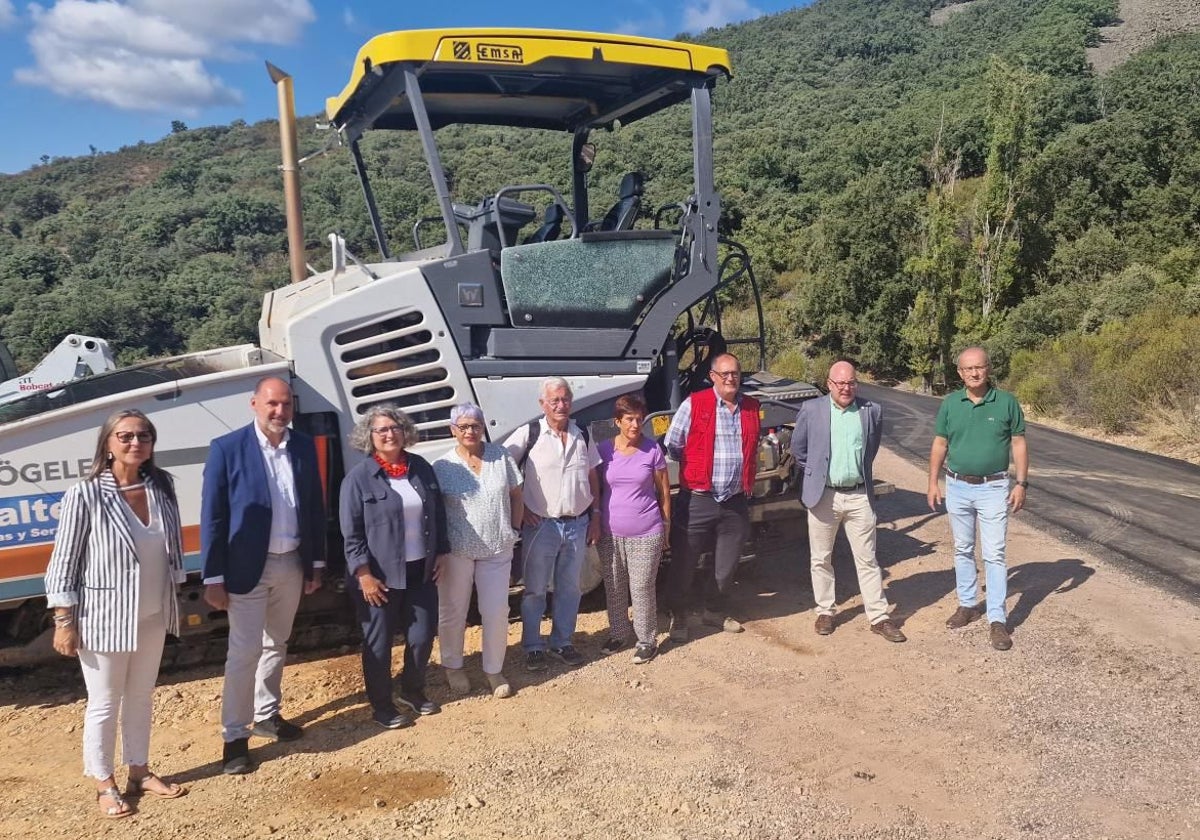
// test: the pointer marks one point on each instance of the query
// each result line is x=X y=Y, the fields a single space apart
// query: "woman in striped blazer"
x=111 y=583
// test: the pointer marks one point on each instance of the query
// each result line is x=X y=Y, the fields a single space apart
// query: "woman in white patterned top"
x=111 y=583
x=481 y=486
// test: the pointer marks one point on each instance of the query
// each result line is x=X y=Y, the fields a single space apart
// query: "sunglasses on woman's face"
x=128 y=437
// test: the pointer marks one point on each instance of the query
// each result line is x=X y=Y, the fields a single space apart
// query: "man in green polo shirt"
x=978 y=430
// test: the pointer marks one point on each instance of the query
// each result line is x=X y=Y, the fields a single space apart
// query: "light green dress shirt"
x=845 y=445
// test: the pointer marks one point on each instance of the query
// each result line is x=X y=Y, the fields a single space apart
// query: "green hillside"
x=904 y=188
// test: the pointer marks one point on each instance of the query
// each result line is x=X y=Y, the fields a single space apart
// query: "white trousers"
x=490 y=576
x=854 y=511
x=260 y=622
x=121 y=685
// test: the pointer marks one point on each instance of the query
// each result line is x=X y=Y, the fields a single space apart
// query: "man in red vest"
x=714 y=436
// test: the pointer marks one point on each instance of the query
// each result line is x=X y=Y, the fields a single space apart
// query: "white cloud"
x=652 y=24
x=709 y=14
x=151 y=55
x=349 y=19
x=133 y=83
x=8 y=15
x=82 y=27
x=256 y=21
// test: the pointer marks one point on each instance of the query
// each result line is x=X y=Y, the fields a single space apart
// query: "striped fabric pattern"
x=94 y=566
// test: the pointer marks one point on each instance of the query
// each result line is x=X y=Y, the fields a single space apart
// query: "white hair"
x=550 y=383
x=469 y=410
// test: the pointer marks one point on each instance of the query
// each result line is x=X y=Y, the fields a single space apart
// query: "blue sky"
x=76 y=74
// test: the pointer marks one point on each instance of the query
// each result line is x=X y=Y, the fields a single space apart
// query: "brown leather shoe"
x=962 y=617
x=889 y=631
x=1001 y=640
x=824 y=625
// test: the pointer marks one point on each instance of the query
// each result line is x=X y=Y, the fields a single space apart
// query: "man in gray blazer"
x=835 y=443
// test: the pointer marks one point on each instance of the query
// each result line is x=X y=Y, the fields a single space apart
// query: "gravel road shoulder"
x=1087 y=728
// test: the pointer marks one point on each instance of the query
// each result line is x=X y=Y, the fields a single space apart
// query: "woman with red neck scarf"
x=394 y=526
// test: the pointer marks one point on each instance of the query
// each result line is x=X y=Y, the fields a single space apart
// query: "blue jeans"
x=553 y=550
x=987 y=505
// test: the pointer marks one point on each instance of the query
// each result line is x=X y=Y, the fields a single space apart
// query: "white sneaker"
x=729 y=625
x=500 y=687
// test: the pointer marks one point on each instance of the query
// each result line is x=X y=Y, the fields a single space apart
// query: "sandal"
x=137 y=787
x=119 y=809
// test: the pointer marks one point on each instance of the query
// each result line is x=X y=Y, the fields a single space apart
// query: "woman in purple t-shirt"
x=635 y=518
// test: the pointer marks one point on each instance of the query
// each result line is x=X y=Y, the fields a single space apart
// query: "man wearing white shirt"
x=262 y=543
x=560 y=490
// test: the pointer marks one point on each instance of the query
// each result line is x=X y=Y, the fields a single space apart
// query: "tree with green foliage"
x=937 y=268
x=1012 y=99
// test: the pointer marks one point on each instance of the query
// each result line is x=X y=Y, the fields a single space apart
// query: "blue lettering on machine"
x=29 y=519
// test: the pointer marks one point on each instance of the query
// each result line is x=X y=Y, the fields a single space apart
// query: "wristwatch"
x=1023 y=483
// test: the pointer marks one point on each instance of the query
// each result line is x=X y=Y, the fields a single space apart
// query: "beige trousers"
x=852 y=509
x=489 y=576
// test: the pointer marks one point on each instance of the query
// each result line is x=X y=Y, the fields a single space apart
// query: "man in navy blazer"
x=834 y=443
x=262 y=543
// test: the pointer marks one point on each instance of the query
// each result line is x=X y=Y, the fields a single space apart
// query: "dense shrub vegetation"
x=905 y=189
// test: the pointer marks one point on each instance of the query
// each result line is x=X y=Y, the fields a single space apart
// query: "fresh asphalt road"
x=1143 y=507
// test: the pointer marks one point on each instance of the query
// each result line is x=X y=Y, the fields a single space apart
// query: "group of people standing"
x=419 y=536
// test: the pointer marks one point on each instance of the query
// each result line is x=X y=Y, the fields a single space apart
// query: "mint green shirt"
x=845 y=445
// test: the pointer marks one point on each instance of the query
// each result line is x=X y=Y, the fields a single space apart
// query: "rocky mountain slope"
x=1142 y=23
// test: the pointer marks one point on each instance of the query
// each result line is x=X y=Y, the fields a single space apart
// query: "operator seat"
x=551 y=227
x=629 y=201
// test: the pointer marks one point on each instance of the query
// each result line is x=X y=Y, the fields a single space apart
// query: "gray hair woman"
x=481 y=486
x=394 y=527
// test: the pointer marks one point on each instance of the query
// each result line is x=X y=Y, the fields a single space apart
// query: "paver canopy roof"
x=529 y=78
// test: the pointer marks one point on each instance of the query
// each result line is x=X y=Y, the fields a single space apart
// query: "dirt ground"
x=1087 y=728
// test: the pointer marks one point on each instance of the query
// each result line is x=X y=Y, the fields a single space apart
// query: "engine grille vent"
x=395 y=360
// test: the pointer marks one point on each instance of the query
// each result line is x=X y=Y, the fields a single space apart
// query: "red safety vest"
x=696 y=464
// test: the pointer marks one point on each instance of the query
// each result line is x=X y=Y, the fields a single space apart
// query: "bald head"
x=272 y=404
x=842 y=383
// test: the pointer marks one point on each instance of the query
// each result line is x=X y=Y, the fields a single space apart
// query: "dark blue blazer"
x=811 y=445
x=235 y=508
x=372 y=519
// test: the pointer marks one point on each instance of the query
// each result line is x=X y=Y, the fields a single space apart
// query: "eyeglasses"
x=386 y=430
x=975 y=369
x=727 y=374
x=843 y=383
x=128 y=437
x=469 y=427
x=558 y=401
